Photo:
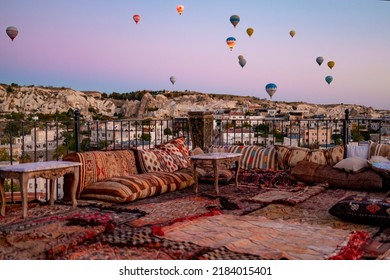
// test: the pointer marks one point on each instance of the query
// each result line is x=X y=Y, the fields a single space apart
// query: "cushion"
x=156 y=160
x=196 y=151
x=253 y=157
x=178 y=150
x=352 y=164
x=100 y=165
x=379 y=150
x=289 y=156
x=378 y=159
x=358 y=151
x=363 y=210
x=133 y=187
x=224 y=176
x=312 y=173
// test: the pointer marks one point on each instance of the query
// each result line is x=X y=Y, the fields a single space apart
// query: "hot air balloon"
x=271 y=89
x=241 y=61
x=172 y=79
x=292 y=33
x=180 y=9
x=319 y=60
x=331 y=64
x=249 y=31
x=234 y=19
x=136 y=18
x=231 y=42
x=12 y=32
x=328 y=79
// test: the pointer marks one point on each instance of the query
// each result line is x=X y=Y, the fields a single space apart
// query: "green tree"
x=146 y=137
x=167 y=131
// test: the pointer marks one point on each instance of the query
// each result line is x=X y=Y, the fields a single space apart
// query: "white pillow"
x=352 y=164
x=378 y=159
x=358 y=151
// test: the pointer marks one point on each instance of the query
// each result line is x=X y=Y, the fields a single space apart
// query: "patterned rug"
x=317 y=217
x=268 y=239
x=50 y=231
x=168 y=212
x=290 y=197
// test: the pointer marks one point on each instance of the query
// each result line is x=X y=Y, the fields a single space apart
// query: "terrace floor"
x=257 y=220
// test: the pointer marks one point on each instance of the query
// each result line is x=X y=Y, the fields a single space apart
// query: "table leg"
x=52 y=185
x=23 y=181
x=2 y=212
x=216 y=175
x=238 y=162
x=195 y=174
x=75 y=183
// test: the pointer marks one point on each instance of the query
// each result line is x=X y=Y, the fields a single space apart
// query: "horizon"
x=96 y=46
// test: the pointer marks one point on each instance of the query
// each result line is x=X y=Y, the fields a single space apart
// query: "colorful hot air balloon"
x=241 y=61
x=331 y=64
x=172 y=79
x=12 y=32
x=234 y=19
x=328 y=79
x=180 y=9
x=319 y=60
x=136 y=18
x=271 y=89
x=292 y=33
x=231 y=42
x=250 y=31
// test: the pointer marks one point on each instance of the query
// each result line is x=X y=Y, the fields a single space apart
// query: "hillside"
x=31 y=100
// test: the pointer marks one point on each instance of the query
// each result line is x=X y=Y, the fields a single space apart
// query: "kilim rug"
x=49 y=231
x=234 y=200
x=289 y=197
x=173 y=210
x=268 y=239
x=317 y=217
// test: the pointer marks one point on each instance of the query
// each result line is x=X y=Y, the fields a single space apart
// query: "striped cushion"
x=289 y=156
x=100 y=165
x=379 y=150
x=133 y=187
x=253 y=157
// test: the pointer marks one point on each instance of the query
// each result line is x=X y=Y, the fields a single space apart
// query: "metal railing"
x=32 y=141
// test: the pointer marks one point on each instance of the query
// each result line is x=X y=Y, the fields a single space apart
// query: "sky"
x=96 y=45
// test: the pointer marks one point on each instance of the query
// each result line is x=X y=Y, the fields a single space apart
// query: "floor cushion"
x=363 y=210
x=133 y=187
x=313 y=173
x=224 y=176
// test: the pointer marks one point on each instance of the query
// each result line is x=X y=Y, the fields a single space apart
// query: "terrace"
x=269 y=205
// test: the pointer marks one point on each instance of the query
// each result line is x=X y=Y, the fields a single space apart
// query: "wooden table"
x=217 y=160
x=51 y=170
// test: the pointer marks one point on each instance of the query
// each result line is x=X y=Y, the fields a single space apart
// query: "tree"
x=146 y=137
x=167 y=131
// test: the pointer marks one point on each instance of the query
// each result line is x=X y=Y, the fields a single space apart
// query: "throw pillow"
x=289 y=156
x=358 y=151
x=379 y=150
x=362 y=209
x=178 y=150
x=156 y=160
x=378 y=159
x=352 y=164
